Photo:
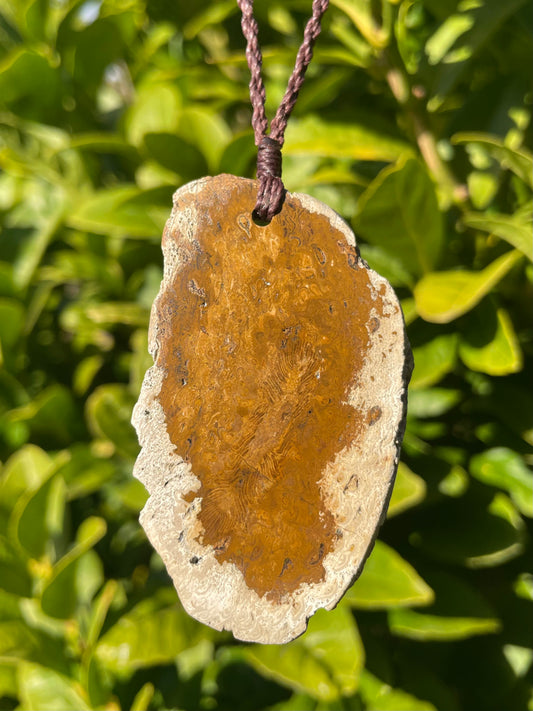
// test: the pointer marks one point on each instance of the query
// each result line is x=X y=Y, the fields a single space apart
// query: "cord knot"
x=271 y=192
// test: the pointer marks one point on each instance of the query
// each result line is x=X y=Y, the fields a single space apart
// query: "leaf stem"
x=452 y=191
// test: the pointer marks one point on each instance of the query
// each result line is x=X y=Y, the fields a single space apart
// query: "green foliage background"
x=414 y=125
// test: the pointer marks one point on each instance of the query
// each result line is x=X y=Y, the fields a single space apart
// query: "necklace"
x=272 y=419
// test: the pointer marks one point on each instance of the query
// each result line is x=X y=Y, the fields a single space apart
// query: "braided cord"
x=271 y=191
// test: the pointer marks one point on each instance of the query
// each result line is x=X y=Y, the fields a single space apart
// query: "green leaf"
x=482 y=187
x=416 y=625
x=28 y=80
x=36 y=243
x=409 y=490
x=157 y=109
x=43 y=689
x=459 y=612
x=514 y=229
x=143 y=697
x=433 y=360
x=446 y=35
x=52 y=417
x=175 y=154
x=125 y=210
x=399 y=212
x=432 y=402
x=455 y=483
x=360 y=13
x=488 y=342
x=380 y=696
x=11 y=324
x=14 y=574
x=386 y=264
x=442 y=297
x=324 y=663
x=16 y=639
x=239 y=155
x=38 y=515
x=60 y=596
x=505 y=469
x=103 y=142
x=117 y=312
x=108 y=411
x=388 y=581
x=479 y=538
x=313 y=136
x=207 y=131
x=212 y=15
x=8 y=680
x=84 y=472
x=146 y=637
x=519 y=160
x=457 y=40
x=24 y=471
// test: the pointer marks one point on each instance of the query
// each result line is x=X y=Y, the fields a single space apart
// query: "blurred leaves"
x=325 y=663
x=414 y=123
x=399 y=212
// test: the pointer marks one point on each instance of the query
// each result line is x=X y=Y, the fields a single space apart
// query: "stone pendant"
x=272 y=419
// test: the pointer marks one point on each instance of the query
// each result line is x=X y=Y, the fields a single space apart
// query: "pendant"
x=272 y=419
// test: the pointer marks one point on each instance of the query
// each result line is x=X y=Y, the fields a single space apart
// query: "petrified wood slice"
x=271 y=421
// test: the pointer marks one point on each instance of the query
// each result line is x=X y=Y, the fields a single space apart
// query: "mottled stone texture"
x=272 y=418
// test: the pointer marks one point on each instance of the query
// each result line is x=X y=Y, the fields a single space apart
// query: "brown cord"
x=271 y=192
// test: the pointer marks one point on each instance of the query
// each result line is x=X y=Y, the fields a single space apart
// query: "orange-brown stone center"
x=263 y=332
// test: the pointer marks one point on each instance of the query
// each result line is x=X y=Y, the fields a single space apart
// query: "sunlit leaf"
x=125 y=210
x=207 y=131
x=363 y=18
x=482 y=187
x=42 y=689
x=144 y=696
x=520 y=161
x=60 y=595
x=108 y=412
x=8 y=680
x=380 y=696
x=432 y=402
x=399 y=213
x=212 y=15
x=148 y=637
x=459 y=612
x=488 y=342
x=388 y=581
x=409 y=490
x=433 y=360
x=325 y=662
x=514 y=229
x=25 y=470
x=313 y=136
x=505 y=469
x=157 y=107
x=443 y=296
x=38 y=516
